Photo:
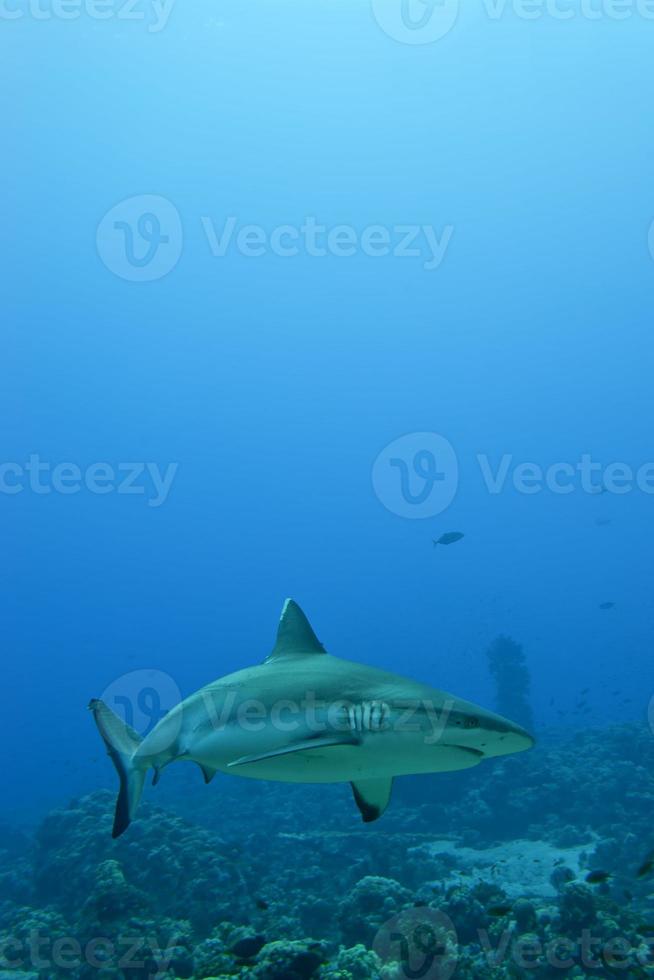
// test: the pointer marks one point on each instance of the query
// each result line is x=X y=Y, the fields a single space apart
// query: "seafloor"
x=475 y=874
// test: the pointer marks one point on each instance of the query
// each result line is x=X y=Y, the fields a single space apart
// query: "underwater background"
x=290 y=292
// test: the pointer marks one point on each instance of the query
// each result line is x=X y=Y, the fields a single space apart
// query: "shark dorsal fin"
x=294 y=635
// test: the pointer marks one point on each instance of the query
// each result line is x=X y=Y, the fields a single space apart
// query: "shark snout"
x=485 y=732
x=514 y=739
x=498 y=736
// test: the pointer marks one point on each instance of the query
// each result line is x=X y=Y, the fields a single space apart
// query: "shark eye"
x=471 y=722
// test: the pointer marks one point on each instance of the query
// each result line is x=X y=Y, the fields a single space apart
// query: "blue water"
x=271 y=383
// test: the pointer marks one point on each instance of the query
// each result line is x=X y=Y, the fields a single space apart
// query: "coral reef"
x=508 y=666
x=533 y=861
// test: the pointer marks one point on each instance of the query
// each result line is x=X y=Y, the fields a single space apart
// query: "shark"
x=306 y=716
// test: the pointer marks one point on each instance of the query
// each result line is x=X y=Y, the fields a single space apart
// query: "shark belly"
x=377 y=756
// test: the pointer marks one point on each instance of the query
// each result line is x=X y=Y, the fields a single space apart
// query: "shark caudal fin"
x=122 y=742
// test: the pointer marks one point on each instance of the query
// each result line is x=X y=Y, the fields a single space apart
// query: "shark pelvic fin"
x=295 y=636
x=306 y=745
x=207 y=772
x=121 y=742
x=372 y=797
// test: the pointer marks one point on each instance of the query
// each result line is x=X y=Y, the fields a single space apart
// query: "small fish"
x=247 y=949
x=597 y=877
x=497 y=911
x=646 y=867
x=449 y=538
x=607 y=605
x=261 y=904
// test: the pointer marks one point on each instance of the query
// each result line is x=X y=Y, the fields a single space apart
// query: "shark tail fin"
x=121 y=742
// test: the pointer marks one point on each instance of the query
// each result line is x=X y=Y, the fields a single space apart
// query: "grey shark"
x=304 y=716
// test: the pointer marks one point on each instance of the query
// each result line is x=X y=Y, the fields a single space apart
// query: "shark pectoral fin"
x=372 y=797
x=307 y=745
x=207 y=772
